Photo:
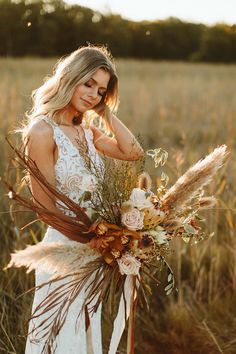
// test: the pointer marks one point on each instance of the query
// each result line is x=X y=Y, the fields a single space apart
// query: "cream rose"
x=133 y=219
x=139 y=199
x=128 y=264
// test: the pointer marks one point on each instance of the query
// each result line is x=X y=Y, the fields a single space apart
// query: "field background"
x=187 y=109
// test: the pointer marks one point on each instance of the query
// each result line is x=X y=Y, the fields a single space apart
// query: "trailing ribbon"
x=127 y=307
x=131 y=328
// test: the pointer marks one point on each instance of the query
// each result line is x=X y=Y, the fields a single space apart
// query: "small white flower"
x=128 y=264
x=139 y=199
x=133 y=219
x=159 y=234
x=10 y=195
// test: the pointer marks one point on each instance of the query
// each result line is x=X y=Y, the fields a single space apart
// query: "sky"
x=204 y=11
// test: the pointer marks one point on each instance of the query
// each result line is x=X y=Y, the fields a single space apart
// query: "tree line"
x=53 y=27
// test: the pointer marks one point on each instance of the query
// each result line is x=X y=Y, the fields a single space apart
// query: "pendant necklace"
x=83 y=147
x=76 y=120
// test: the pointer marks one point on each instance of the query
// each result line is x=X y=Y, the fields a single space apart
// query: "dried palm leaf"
x=53 y=309
x=74 y=227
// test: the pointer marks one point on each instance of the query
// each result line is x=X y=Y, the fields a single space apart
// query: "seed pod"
x=144 y=181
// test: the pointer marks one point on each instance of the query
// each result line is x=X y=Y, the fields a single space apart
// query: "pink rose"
x=133 y=219
x=128 y=264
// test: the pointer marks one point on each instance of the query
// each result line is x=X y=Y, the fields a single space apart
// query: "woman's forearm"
x=126 y=141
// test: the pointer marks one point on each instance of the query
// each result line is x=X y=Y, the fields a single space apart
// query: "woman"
x=84 y=84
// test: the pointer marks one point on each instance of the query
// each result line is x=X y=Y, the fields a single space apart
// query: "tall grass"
x=186 y=109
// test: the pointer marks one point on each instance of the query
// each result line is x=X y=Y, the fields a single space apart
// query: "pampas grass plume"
x=173 y=224
x=206 y=202
x=56 y=258
x=198 y=176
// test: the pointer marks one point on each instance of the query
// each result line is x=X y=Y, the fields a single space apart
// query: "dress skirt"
x=73 y=337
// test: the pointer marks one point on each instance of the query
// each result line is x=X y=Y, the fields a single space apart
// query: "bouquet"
x=128 y=228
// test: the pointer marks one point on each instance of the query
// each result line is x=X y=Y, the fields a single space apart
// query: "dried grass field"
x=187 y=109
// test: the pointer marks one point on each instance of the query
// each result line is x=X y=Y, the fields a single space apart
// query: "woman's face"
x=89 y=94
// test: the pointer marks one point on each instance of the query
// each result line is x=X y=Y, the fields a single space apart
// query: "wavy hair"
x=70 y=71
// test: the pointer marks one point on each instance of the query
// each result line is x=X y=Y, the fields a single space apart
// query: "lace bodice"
x=72 y=176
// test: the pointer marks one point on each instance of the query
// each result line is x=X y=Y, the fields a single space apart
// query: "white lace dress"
x=72 y=179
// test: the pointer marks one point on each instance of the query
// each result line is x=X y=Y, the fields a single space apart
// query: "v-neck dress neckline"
x=85 y=131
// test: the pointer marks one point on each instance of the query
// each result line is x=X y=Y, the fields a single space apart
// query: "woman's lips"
x=86 y=102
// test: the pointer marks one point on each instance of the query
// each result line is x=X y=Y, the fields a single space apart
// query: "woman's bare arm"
x=123 y=146
x=40 y=148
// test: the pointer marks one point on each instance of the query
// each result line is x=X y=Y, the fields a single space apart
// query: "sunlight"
x=205 y=11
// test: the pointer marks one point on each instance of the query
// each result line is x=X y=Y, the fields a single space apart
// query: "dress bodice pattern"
x=71 y=173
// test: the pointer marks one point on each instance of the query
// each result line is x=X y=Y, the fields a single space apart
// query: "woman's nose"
x=93 y=93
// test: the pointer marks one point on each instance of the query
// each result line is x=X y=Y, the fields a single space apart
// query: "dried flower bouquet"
x=128 y=230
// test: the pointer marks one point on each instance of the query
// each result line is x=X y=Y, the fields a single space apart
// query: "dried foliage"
x=76 y=228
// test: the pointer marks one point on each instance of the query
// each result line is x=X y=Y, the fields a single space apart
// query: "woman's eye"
x=101 y=93
x=88 y=84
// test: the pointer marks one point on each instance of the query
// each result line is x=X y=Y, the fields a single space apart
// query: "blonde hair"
x=75 y=69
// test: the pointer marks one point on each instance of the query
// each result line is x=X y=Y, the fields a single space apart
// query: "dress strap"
x=58 y=135
x=49 y=121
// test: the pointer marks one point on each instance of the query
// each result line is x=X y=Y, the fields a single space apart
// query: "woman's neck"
x=70 y=116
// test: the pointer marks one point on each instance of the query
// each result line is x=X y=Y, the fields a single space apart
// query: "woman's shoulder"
x=40 y=135
x=39 y=128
